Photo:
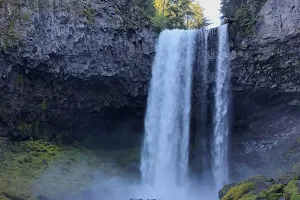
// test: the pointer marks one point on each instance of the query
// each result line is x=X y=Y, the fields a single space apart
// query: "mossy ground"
x=32 y=168
x=286 y=187
x=237 y=192
x=274 y=192
x=291 y=191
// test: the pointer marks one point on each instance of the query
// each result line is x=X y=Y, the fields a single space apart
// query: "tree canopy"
x=183 y=14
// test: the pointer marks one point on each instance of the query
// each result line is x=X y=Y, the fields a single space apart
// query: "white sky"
x=211 y=11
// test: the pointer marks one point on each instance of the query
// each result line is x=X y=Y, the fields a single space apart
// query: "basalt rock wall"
x=266 y=90
x=70 y=70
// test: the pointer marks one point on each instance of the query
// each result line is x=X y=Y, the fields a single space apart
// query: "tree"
x=181 y=14
x=197 y=18
x=178 y=13
x=160 y=5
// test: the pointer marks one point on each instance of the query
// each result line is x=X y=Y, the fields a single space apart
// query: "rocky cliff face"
x=72 y=67
x=269 y=57
x=73 y=70
x=266 y=86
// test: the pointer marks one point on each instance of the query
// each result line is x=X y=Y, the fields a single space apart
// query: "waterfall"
x=182 y=82
x=221 y=126
x=166 y=144
x=201 y=154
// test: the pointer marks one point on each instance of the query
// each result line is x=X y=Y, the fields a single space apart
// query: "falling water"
x=202 y=154
x=221 y=126
x=180 y=56
x=166 y=144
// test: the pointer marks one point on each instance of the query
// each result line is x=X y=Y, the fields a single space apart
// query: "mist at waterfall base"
x=167 y=148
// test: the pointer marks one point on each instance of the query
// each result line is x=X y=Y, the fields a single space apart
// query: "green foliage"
x=244 y=17
x=183 y=14
x=242 y=11
x=177 y=12
x=60 y=168
x=160 y=5
x=197 y=18
x=26 y=17
x=23 y=164
x=159 y=21
x=229 y=7
x=89 y=14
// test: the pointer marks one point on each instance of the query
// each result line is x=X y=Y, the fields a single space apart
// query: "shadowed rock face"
x=266 y=91
x=65 y=66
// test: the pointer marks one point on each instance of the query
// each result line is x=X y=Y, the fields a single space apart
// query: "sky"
x=211 y=11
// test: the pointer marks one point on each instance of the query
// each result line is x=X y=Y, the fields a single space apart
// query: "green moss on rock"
x=274 y=192
x=275 y=196
x=249 y=197
x=25 y=163
x=89 y=14
x=31 y=168
x=277 y=188
x=291 y=191
x=239 y=191
x=225 y=189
